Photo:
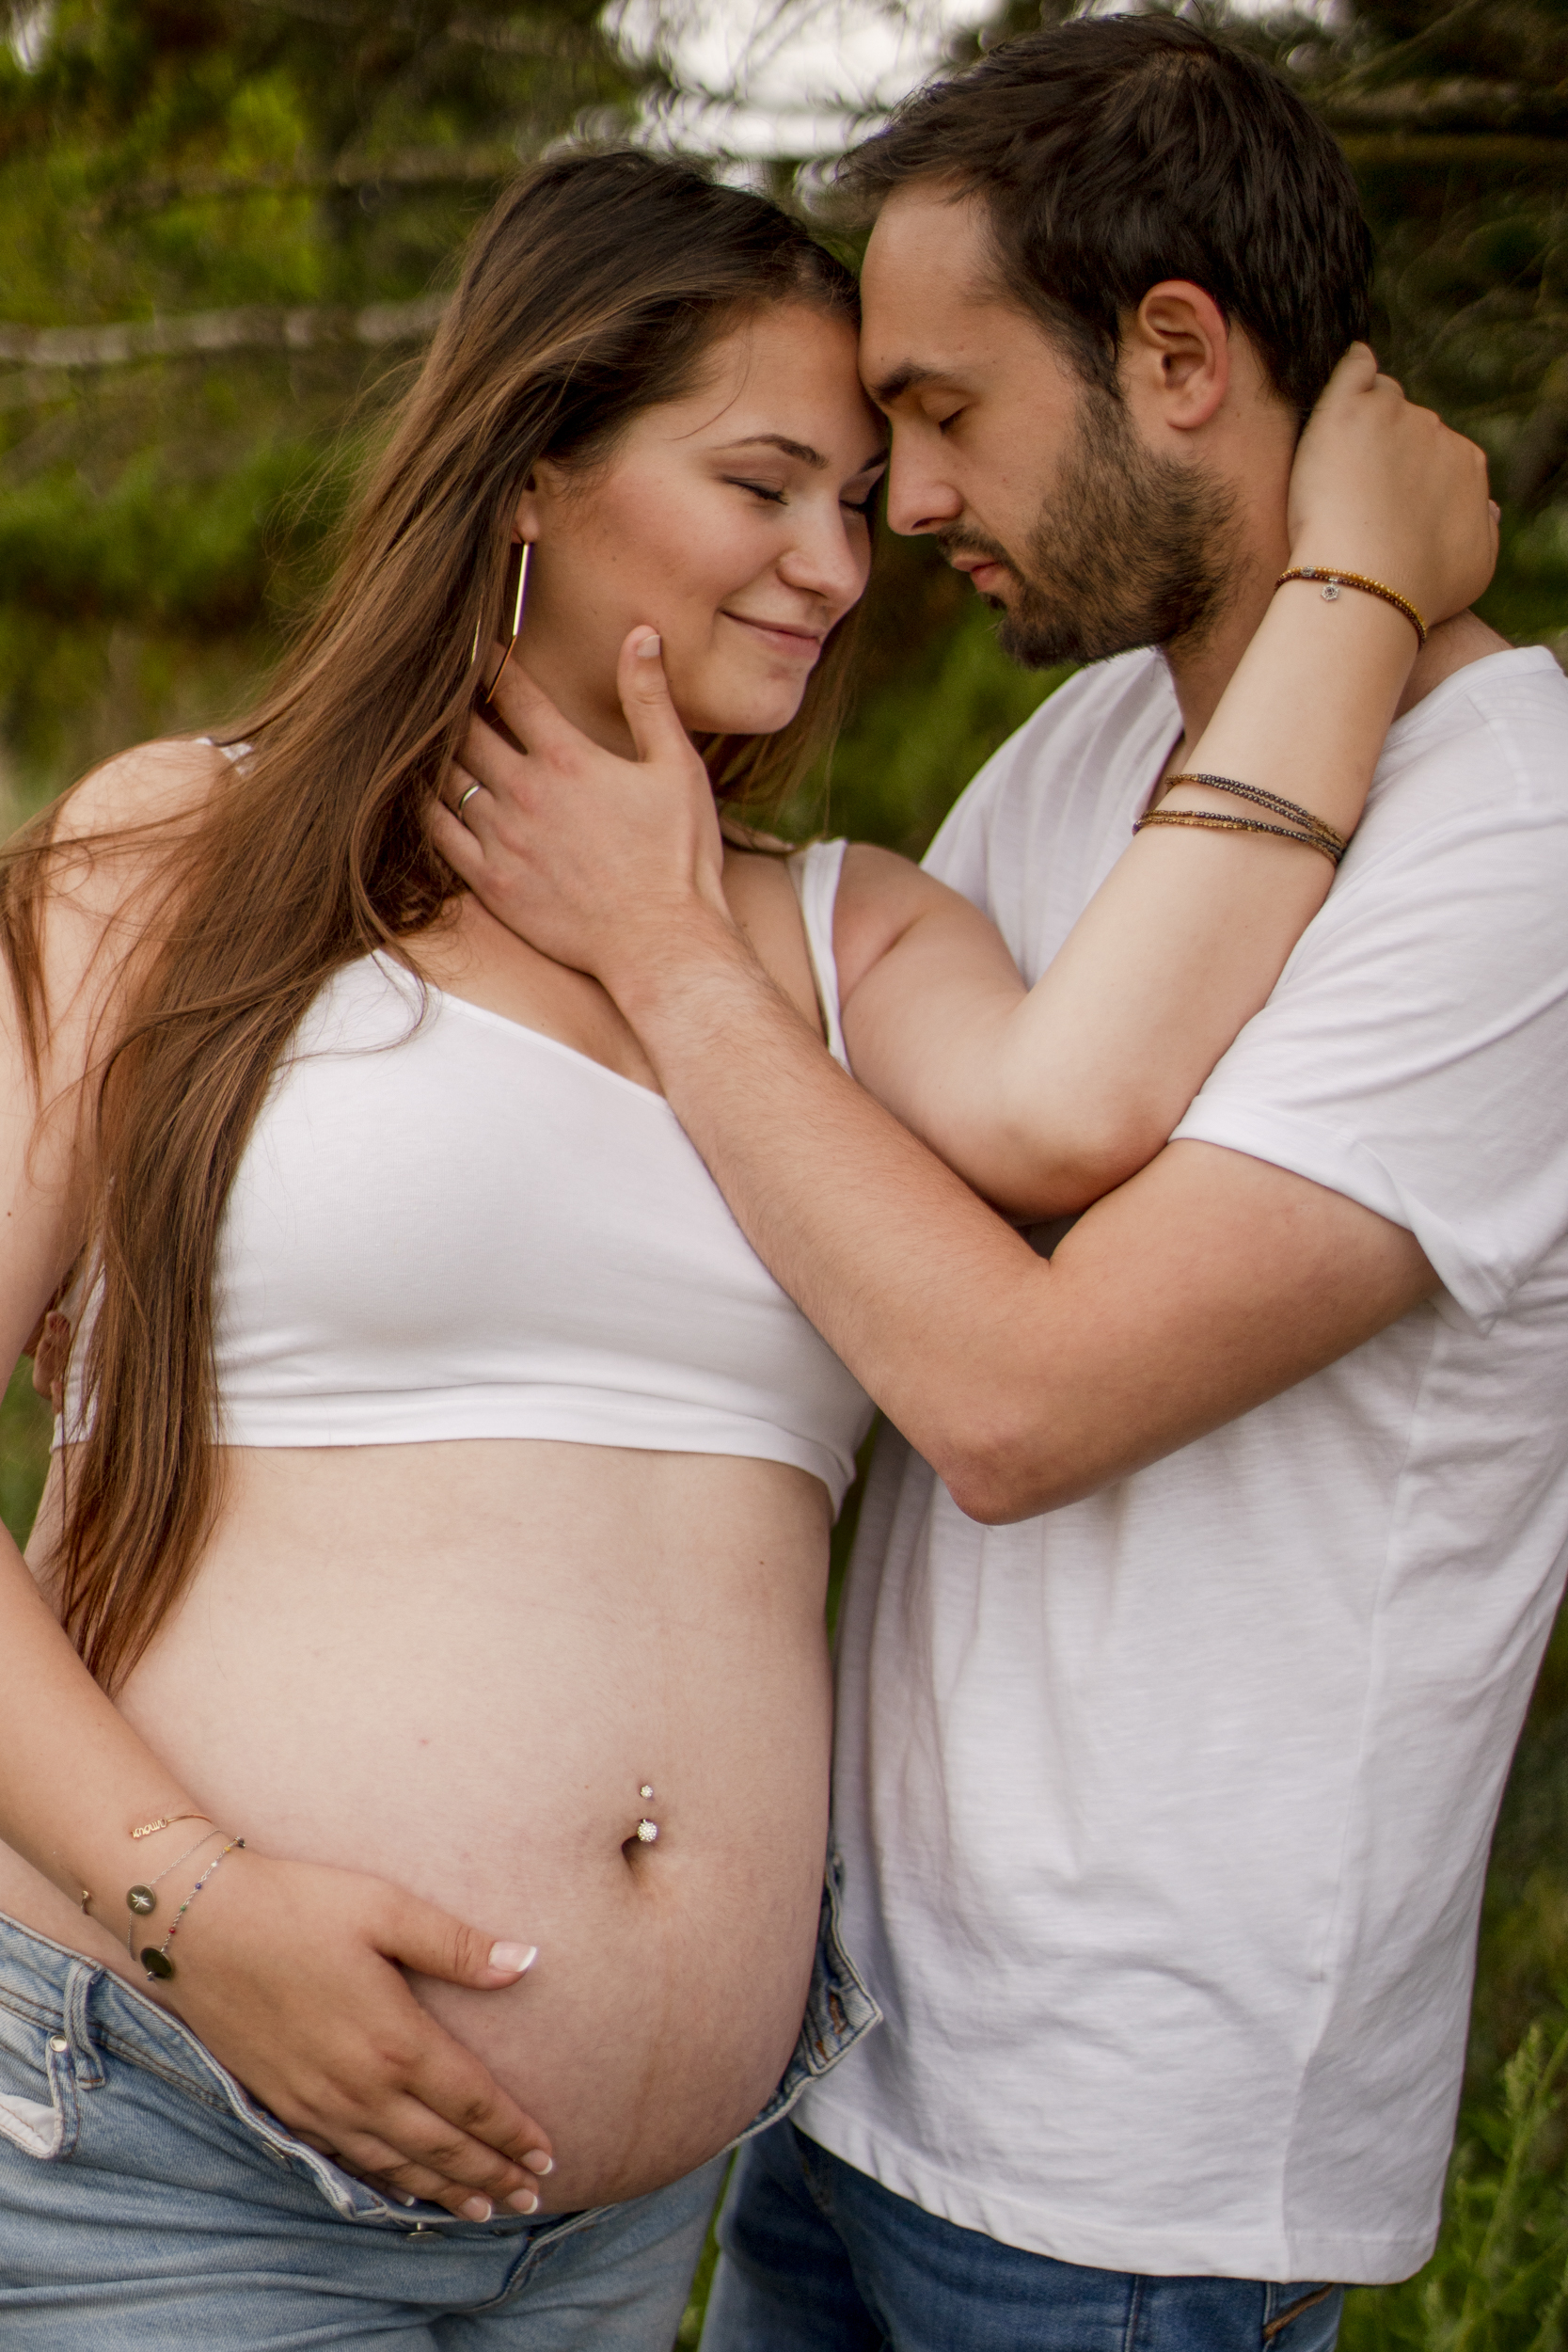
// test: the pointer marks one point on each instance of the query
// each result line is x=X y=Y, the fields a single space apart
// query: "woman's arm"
x=1046 y=1101
x=289 y=1972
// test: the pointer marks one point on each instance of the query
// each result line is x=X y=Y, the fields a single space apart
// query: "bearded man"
x=1166 y=1766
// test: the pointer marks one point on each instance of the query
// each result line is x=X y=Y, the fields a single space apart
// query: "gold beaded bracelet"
x=1210 y=820
x=1334 y=582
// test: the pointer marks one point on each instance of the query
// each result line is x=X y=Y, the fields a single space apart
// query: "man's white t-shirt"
x=1164 y=1817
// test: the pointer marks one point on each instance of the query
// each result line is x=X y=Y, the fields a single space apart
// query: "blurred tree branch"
x=213 y=331
x=225 y=222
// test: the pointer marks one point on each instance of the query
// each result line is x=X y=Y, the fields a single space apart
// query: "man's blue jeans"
x=817 y=2257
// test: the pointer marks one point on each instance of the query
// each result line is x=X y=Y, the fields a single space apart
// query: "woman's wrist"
x=134 y=1850
x=1307 y=709
x=154 y=1924
x=1331 y=583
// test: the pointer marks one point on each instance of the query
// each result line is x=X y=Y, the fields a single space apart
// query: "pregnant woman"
x=415 y=1788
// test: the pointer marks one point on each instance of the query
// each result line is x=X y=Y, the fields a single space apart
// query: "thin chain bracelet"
x=154 y=1956
x=140 y=1900
x=166 y=1820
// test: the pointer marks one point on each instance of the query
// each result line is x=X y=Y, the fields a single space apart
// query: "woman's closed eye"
x=758 y=489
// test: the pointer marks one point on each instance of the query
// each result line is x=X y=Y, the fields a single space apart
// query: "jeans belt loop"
x=82 y=1980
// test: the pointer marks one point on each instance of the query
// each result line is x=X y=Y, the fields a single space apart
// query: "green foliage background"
x=222 y=226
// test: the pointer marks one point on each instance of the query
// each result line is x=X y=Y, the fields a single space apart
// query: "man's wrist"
x=651 y=967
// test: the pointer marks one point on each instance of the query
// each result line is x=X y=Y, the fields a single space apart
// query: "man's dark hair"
x=1116 y=150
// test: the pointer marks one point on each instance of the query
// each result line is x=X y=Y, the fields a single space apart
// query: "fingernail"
x=510 y=1960
x=538 y=2162
x=649 y=649
x=523 y=2200
x=400 y=2197
x=477 y=2208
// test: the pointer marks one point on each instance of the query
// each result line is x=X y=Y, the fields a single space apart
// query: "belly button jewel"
x=646 y=1831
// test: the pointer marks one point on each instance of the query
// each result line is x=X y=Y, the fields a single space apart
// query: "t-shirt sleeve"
x=1415 y=1052
x=959 y=854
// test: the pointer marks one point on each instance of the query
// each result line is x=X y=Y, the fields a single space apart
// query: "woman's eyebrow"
x=803 y=449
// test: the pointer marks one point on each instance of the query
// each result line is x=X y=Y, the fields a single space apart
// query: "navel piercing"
x=646 y=1831
x=647 y=1789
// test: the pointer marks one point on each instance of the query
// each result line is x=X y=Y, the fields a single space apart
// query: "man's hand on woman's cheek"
x=587 y=855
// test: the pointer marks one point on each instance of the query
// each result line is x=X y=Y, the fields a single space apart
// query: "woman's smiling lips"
x=786 y=637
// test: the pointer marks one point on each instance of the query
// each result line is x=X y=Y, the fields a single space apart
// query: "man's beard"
x=1129 y=549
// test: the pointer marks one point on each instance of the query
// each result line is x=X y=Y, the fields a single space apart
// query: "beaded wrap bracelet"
x=1334 y=582
x=1302 y=826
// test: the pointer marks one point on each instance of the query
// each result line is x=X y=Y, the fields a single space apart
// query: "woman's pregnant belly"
x=475 y=1668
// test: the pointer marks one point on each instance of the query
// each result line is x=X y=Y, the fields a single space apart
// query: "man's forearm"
x=1208 y=1283
x=913 y=1281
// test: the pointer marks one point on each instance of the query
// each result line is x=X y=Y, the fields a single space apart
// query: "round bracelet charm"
x=157 y=1963
x=141 y=1899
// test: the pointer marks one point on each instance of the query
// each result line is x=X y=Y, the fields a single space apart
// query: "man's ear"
x=1176 y=355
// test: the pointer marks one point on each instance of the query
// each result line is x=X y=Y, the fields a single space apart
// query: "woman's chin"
x=754 y=714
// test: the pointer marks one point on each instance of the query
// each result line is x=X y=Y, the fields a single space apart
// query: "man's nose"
x=919 y=496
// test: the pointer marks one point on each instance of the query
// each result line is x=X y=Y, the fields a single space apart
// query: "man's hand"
x=593 y=859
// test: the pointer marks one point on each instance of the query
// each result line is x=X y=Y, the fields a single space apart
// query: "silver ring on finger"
x=463 y=801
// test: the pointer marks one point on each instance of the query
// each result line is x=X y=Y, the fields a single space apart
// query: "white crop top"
x=448 y=1225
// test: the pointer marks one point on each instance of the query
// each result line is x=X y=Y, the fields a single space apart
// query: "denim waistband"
x=840 y=2011
x=84 y=2008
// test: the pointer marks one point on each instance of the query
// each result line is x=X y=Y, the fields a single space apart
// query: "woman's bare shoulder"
x=151 y=785
x=91 y=901
x=881 y=898
x=762 y=900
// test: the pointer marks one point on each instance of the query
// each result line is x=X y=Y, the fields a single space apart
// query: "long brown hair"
x=594 y=291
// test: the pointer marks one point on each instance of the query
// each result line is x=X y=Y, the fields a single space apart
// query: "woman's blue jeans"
x=819 y=2257
x=146 y=2201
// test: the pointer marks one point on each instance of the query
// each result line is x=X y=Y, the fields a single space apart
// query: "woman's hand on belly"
x=289 y=1973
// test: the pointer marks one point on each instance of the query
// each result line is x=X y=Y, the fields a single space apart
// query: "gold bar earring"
x=517 y=602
